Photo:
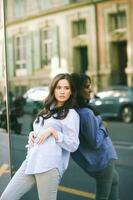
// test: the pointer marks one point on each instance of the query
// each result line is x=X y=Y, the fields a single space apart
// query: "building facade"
x=45 y=37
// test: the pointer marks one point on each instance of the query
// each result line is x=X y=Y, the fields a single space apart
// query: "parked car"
x=36 y=93
x=28 y=104
x=34 y=98
x=115 y=102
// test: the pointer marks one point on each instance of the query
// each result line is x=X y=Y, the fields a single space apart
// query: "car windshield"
x=36 y=94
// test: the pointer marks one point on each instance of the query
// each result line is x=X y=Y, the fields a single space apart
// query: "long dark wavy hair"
x=50 y=108
x=80 y=81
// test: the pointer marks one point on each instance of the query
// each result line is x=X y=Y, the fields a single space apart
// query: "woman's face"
x=86 y=91
x=62 y=92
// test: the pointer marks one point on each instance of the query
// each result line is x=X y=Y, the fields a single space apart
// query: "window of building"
x=46 y=46
x=117 y=21
x=19 y=8
x=20 y=52
x=78 y=27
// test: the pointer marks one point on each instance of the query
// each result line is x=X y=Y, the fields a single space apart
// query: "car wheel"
x=126 y=114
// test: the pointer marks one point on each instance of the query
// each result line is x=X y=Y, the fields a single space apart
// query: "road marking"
x=4 y=169
x=77 y=192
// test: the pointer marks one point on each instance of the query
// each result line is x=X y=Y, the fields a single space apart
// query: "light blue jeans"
x=47 y=184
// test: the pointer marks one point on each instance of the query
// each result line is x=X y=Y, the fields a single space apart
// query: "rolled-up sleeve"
x=68 y=138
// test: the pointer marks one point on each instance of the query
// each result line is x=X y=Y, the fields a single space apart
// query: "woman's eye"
x=58 y=87
x=67 y=88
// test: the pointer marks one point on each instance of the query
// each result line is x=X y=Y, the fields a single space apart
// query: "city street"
x=76 y=185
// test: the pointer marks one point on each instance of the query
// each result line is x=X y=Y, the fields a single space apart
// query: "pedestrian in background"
x=96 y=153
x=55 y=132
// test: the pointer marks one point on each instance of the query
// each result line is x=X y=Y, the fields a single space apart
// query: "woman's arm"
x=68 y=138
x=91 y=128
x=39 y=139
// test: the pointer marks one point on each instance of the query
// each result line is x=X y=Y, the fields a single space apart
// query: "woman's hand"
x=54 y=133
x=43 y=136
x=31 y=138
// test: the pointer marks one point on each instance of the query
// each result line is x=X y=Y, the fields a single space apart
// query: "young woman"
x=55 y=132
x=96 y=153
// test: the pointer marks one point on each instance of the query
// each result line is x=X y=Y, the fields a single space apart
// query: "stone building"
x=45 y=37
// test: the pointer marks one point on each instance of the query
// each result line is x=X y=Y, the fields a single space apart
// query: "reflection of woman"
x=96 y=153
x=55 y=136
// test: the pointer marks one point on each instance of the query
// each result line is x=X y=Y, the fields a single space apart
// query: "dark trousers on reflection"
x=107 y=183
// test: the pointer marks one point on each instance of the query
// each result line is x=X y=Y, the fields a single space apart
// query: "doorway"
x=118 y=52
x=80 y=59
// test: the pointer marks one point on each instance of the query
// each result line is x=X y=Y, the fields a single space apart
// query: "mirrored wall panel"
x=47 y=37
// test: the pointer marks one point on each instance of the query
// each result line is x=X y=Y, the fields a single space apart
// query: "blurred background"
x=40 y=38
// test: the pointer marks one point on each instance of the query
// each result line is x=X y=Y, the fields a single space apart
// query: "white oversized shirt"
x=54 y=153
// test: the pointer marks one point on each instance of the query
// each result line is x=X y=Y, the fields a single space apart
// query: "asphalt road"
x=121 y=132
x=76 y=185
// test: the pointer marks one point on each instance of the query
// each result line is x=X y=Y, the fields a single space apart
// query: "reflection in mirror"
x=45 y=37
